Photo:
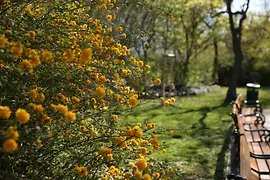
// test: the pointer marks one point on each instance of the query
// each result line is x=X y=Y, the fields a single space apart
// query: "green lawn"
x=202 y=131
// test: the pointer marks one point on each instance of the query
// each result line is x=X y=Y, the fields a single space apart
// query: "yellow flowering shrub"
x=63 y=76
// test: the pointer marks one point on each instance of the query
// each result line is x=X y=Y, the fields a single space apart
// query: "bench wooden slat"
x=266 y=150
x=262 y=165
x=265 y=177
x=254 y=176
x=248 y=136
x=245 y=169
x=255 y=135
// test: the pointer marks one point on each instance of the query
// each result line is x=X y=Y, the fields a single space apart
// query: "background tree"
x=236 y=31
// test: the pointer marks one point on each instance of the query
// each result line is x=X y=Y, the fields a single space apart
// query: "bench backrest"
x=237 y=104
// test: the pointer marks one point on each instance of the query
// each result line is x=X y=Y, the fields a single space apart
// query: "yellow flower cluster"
x=22 y=116
x=141 y=163
x=134 y=132
x=5 y=112
x=10 y=144
x=113 y=171
x=169 y=101
x=86 y=74
x=81 y=170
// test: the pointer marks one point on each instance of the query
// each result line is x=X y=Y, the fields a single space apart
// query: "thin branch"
x=219 y=13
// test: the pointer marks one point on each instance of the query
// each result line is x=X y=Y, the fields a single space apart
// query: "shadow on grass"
x=220 y=165
x=204 y=111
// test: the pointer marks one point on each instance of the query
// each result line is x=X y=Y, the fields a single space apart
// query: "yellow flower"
x=12 y=133
x=129 y=132
x=147 y=67
x=87 y=82
x=105 y=151
x=141 y=164
x=35 y=60
x=149 y=126
x=33 y=93
x=32 y=34
x=110 y=157
x=95 y=133
x=137 y=131
x=127 y=175
x=154 y=141
x=157 y=81
x=10 y=145
x=47 y=56
x=100 y=91
x=124 y=36
x=145 y=44
x=114 y=117
x=133 y=101
x=3 y=42
x=46 y=120
x=119 y=29
x=83 y=129
x=62 y=108
x=5 y=112
x=50 y=38
x=28 y=11
x=102 y=79
x=109 y=17
x=171 y=132
x=140 y=63
x=32 y=53
x=22 y=116
x=75 y=99
x=153 y=135
x=143 y=150
x=38 y=144
x=116 y=77
x=70 y=116
x=39 y=108
x=77 y=169
x=134 y=142
x=83 y=172
x=85 y=56
x=68 y=55
x=138 y=174
x=156 y=175
x=25 y=64
x=146 y=177
x=163 y=150
x=121 y=141
x=17 y=50
x=166 y=103
x=40 y=97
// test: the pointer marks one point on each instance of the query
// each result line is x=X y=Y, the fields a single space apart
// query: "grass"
x=201 y=128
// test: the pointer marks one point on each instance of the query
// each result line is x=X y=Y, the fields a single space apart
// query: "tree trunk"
x=215 y=64
x=237 y=50
x=238 y=58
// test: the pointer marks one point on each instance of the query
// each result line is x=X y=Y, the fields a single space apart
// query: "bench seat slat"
x=262 y=165
x=245 y=169
x=255 y=134
x=266 y=150
x=265 y=177
x=248 y=136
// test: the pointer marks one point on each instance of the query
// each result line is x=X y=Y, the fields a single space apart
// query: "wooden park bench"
x=254 y=148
